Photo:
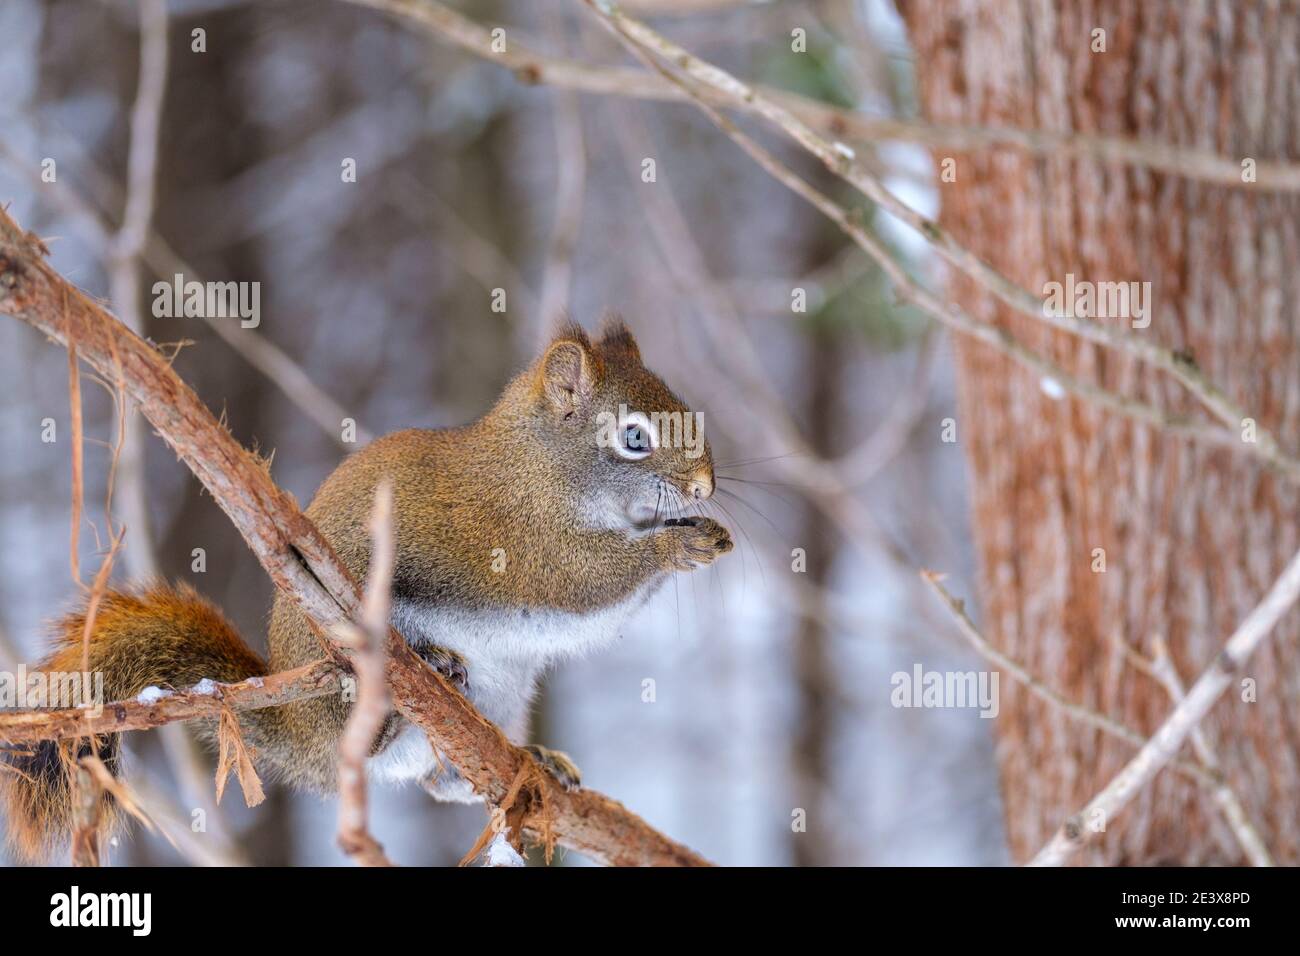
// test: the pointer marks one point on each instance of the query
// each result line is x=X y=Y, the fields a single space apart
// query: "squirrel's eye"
x=637 y=439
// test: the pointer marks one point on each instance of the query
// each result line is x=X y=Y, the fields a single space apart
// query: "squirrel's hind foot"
x=446 y=662
x=558 y=764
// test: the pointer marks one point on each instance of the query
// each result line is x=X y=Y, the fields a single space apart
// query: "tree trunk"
x=1192 y=536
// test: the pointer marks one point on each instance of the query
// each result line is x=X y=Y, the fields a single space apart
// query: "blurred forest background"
x=772 y=689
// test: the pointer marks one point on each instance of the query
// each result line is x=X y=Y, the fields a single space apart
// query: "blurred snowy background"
x=772 y=689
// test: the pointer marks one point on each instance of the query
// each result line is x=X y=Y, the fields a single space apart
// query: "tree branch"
x=532 y=66
x=1162 y=669
x=310 y=680
x=1182 y=720
x=709 y=82
x=301 y=562
x=1035 y=686
x=371 y=709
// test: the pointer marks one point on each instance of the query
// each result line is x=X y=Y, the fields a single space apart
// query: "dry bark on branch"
x=300 y=560
x=310 y=680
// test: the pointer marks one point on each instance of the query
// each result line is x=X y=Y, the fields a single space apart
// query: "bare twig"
x=123 y=796
x=125 y=252
x=78 y=462
x=301 y=562
x=1092 y=718
x=124 y=263
x=1160 y=749
x=207 y=700
x=960 y=321
x=890 y=437
x=570 y=187
x=533 y=67
x=195 y=847
x=1161 y=668
x=841 y=160
x=255 y=348
x=87 y=808
x=726 y=331
x=370 y=710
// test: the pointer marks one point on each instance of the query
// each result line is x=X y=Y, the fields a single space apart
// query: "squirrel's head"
x=631 y=451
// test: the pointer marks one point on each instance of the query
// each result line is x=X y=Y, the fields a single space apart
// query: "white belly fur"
x=505 y=652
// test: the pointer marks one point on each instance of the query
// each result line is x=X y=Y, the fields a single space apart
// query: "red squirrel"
x=523 y=538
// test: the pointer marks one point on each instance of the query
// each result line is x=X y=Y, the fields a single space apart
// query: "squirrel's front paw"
x=558 y=765
x=447 y=663
x=693 y=542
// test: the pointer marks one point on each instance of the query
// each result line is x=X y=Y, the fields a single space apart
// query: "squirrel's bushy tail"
x=163 y=636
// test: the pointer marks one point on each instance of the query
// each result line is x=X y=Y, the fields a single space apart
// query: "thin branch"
x=206 y=700
x=533 y=67
x=1162 y=669
x=124 y=264
x=954 y=317
x=265 y=356
x=124 y=253
x=87 y=809
x=197 y=848
x=78 y=463
x=255 y=348
x=370 y=711
x=725 y=330
x=302 y=564
x=570 y=189
x=1178 y=726
x=842 y=161
x=476 y=255
x=891 y=435
x=1092 y=718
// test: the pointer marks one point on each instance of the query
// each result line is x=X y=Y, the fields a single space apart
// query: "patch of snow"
x=151 y=695
x=1051 y=388
x=501 y=853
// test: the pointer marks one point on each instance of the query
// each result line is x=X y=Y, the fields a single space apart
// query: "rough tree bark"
x=1192 y=536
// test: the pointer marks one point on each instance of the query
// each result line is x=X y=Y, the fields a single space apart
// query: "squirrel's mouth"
x=644 y=516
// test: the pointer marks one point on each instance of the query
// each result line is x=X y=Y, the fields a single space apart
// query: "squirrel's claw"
x=558 y=765
x=447 y=663
x=696 y=541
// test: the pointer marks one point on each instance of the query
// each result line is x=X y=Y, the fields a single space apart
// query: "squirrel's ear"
x=568 y=374
x=616 y=339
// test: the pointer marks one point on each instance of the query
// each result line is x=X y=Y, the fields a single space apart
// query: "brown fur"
x=516 y=479
x=164 y=636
